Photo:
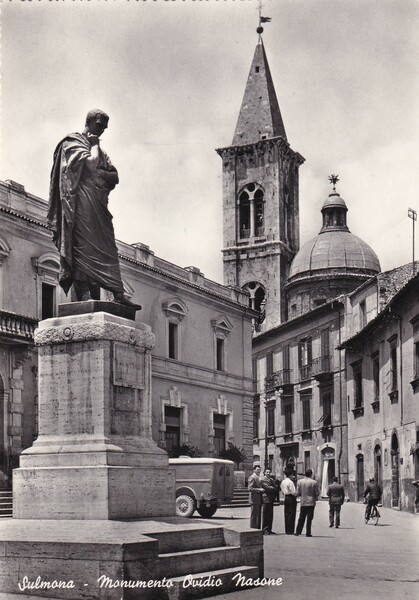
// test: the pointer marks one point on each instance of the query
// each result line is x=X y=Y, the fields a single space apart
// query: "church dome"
x=335 y=248
x=335 y=251
x=335 y=262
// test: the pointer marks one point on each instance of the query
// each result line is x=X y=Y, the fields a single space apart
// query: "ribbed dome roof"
x=335 y=250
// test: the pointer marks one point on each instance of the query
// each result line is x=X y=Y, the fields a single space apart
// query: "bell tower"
x=260 y=198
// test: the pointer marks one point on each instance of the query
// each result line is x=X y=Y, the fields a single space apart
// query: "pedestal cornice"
x=95 y=326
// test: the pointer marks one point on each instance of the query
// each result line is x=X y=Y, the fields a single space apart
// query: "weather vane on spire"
x=261 y=19
x=333 y=179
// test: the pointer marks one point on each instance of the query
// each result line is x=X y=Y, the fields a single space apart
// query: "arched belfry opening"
x=257 y=293
x=251 y=211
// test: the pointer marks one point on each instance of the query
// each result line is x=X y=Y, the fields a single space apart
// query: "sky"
x=171 y=75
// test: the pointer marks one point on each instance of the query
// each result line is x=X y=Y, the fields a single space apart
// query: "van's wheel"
x=207 y=511
x=185 y=506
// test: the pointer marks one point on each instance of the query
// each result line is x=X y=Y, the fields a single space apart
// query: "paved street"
x=355 y=561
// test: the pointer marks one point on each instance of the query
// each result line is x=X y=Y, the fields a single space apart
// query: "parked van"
x=202 y=484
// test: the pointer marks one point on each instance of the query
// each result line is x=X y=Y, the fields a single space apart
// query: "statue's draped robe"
x=79 y=217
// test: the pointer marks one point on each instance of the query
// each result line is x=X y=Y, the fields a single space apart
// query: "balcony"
x=322 y=368
x=279 y=379
x=305 y=372
x=16 y=328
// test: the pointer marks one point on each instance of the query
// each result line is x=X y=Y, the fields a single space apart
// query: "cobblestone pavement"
x=356 y=561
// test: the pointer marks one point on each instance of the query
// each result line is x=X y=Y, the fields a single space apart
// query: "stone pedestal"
x=94 y=457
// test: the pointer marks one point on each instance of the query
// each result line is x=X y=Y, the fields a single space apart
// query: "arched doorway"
x=378 y=467
x=360 y=481
x=395 y=474
x=328 y=468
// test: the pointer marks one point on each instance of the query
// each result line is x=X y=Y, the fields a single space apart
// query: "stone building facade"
x=201 y=363
x=300 y=416
x=317 y=342
x=382 y=365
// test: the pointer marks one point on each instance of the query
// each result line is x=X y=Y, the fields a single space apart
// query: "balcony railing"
x=322 y=367
x=279 y=379
x=17 y=326
x=305 y=372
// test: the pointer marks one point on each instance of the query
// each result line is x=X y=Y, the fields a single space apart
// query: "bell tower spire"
x=260 y=196
x=260 y=116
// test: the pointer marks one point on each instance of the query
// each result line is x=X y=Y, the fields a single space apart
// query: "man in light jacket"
x=255 y=497
x=308 y=490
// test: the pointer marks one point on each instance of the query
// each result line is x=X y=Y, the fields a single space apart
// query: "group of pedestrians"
x=264 y=488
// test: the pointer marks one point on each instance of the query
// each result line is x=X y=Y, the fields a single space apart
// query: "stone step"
x=189 y=539
x=174 y=564
x=222 y=580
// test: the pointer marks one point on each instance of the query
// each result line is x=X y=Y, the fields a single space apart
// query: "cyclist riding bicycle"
x=372 y=495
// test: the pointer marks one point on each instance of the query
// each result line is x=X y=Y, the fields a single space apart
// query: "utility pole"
x=412 y=214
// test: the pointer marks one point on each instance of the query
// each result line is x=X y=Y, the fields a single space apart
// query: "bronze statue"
x=81 y=178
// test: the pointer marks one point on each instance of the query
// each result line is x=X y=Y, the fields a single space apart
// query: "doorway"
x=378 y=469
x=395 y=474
x=328 y=469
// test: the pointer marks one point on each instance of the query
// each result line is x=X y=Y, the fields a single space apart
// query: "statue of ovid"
x=81 y=178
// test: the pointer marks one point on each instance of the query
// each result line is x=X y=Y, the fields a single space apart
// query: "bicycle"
x=374 y=515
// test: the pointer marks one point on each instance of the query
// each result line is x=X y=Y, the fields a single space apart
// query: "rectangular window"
x=256 y=418
x=172 y=419
x=305 y=358
x=416 y=360
x=376 y=375
x=288 y=417
x=220 y=354
x=48 y=301
x=326 y=399
x=270 y=418
x=325 y=342
x=173 y=340
x=255 y=374
x=286 y=365
x=306 y=460
x=362 y=314
x=305 y=352
x=269 y=364
x=393 y=365
x=219 y=433
x=358 y=395
x=305 y=402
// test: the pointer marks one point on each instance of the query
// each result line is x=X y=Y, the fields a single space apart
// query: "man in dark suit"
x=336 y=494
x=255 y=497
x=308 y=490
x=269 y=492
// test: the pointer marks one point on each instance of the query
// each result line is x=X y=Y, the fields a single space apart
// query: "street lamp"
x=412 y=214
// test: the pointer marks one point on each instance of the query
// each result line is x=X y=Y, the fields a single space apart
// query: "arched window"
x=251 y=211
x=257 y=293
x=244 y=215
x=257 y=300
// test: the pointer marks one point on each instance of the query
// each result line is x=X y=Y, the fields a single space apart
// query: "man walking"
x=255 y=497
x=290 y=502
x=308 y=490
x=269 y=492
x=336 y=494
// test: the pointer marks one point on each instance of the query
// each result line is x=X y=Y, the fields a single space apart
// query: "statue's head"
x=96 y=121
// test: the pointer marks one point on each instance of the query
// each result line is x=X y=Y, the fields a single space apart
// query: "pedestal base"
x=110 y=560
x=93 y=492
